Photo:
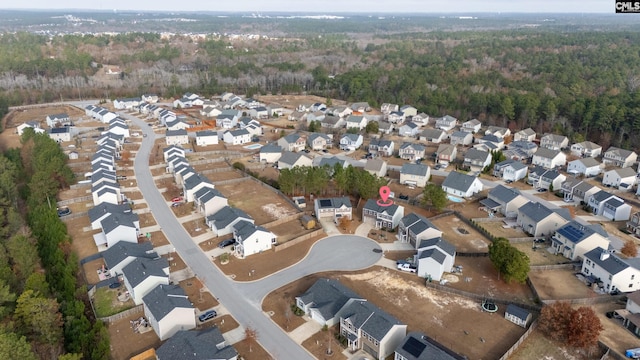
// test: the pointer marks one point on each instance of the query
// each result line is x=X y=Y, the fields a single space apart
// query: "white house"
x=357 y=122
x=461 y=185
x=476 y=159
x=387 y=217
x=386 y=108
x=55 y=120
x=541 y=178
x=251 y=239
x=142 y=275
x=118 y=227
x=463 y=138
x=396 y=117
x=409 y=110
x=446 y=123
x=206 y=138
x=611 y=272
x=554 y=142
x=350 y=142
x=333 y=208
x=318 y=141
x=471 y=126
x=270 y=153
x=414 y=174
x=208 y=201
x=421 y=119
x=379 y=147
x=221 y=222
x=293 y=142
x=504 y=200
x=498 y=131
x=622 y=178
x=324 y=300
x=414 y=228
x=587 y=167
x=408 y=129
x=289 y=160
x=586 y=149
x=548 y=158
x=435 y=257
x=201 y=344
x=228 y=119
x=573 y=240
x=122 y=253
x=610 y=206
x=525 y=135
x=435 y=136
x=411 y=151
x=510 y=170
x=489 y=143
x=61 y=134
x=237 y=137
x=169 y=310
x=377 y=167
x=538 y=220
x=35 y=125
x=176 y=137
x=619 y=157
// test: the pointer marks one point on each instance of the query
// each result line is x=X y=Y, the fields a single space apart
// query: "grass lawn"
x=106 y=302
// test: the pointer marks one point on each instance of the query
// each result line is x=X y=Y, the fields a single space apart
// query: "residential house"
x=169 y=310
x=260 y=112
x=381 y=216
x=415 y=175
x=330 y=162
x=297 y=116
x=386 y=108
x=446 y=123
x=318 y=116
x=435 y=257
x=504 y=200
x=270 y=153
x=123 y=252
x=619 y=157
x=623 y=178
x=461 y=185
x=197 y=345
x=632 y=319
x=435 y=136
x=408 y=110
x=222 y=221
x=119 y=128
x=58 y=120
x=142 y=275
x=417 y=346
x=182 y=103
x=292 y=142
x=228 y=119
x=206 y=138
x=334 y=208
x=350 y=142
x=412 y=152
x=127 y=103
x=251 y=239
x=586 y=149
x=376 y=167
x=587 y=167
x=489 y=143
x=318 y=141
x=538 y=220
x=476 y=159
x=510 y=170
x=578 y=190
x=101 y=211
x=421 y=119
x=324 y=300
x=541 y=178
x=610 y=206
x=172 y=150
x=408 y=129
x=396 y=117
x=385 y=127
x=548 y=158
x=149 y=98
x=106 y=191
x=118 y=227
x=527 y=135
x=357 y=122
x=611 y=273
x=176 y=137
x=289 y=160
x=528 y=148
x=61 y=134
x=633 y=225
x=360 y=107
x=208 y=201
x=331 y=122
x=414 y=228
x=379 y=147
x=517 y=315
x=573 y=240
x=340 y=111
x=554 y=142
x=471 y=126
x=498 y=131
x=446 y=153
x=369 y=328
x=237 y=137
x=35 y=125
x=461 y=138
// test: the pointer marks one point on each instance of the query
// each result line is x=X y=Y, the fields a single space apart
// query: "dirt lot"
x=176 y=263
x=497 y=229
x=82 y=242
x=292 y=101
x=91 y=270
x=126 y=343
x=469 y=209
x=560 y=284
x=158 y=239
x=225 y=175
x=539 y=256
x=266 y=263
x=69 y=194
x=319 y=343
x=257 y=201
x=289 y=230
x=431 y=312
x=201 y=299
x=146 y=220
x=537 y=346
x=463 y=236
x=195 y=227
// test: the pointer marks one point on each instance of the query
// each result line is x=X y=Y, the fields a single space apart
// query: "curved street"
x=242 y=300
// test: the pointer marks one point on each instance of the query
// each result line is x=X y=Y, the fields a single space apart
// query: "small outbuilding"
x=308 y=222
x=517 y=315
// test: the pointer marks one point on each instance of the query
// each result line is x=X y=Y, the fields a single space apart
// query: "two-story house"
x=510 y=170
x=357 y=122
x=554 y=142
x=633 y=225
x=462 y=138
x=446 y=123
x=490 y=143
x=289 y=160
x=538 y=220
x=476 y=159
x=461 y=185
x=292 y=142
x=408 y=129
x=418 y=346
x=610 y=206
x=411 y=151
x=318 y=141
x=527 y=135
x=386 y=217
x=619 y=157
x=548 y=158
x=541 y=178
x=350 y=142
x=270 y=153
x=435 y=136
x=414 y=228
x=446 y=153
x=610 y=272
x=435 y=257
x=587 y=167
x=504 y=200
x=251 y=239
x=586 y=149
x=414 y=175
x=499 y=131
x=623 y=178
x=471 y=126
x=334 y=208
x=379 y=147
x=574 y=239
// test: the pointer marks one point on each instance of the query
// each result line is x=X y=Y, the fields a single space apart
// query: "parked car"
x=177 y=199
x=225 y=243
x=541 y=190
x=144 y=135
x=613 y=315
x=176 y=204
x=508 y=181
x=403 y=197
x=207 y=315
x=408 y=267
x=325 y=151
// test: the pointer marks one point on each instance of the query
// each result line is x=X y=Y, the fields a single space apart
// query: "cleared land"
x=463 y=236
x=559 y=284
x=256 y=200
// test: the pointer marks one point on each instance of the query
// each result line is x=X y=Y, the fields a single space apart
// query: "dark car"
x=541 y=190
x=207 y=315
x=613 y=315
x=225 y=243
x=403 y=197
x=114 y=285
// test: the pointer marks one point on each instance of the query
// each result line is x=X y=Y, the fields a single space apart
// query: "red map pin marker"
x=384 y=193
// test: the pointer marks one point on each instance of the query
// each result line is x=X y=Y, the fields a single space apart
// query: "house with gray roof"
x=610 y=206
x=409 y=110
x=331 y=162
x=476 y=159
x=525 y=148
x=324 y=300
x=421 y=119
x=435 y=257
x=396 y=117
x=549 y=158
x=417 y=346
x=143 y=275
x=326 y=121
x=222 y=221
x=208 y=201
x=194 y=183
x=206 y=138
x=408 y=129
x=228 y=118
x=586 y=149
x=61 y=134
x=489 y=143
x=619 y=157
x=610 y=272
x=387 y=217
x=293 y=142
x=376 y=167
x=415 y=174
x=498 y=131
x=622 y=178
x=176 y=137
x=319 y=141
x=446 y=153
x=237 y=137
x=172 y=150
x=574 y=239
x=334 y=208
x=461 y=185
x=517 y=315
x=554 y=142
x=357 y=122
x=435 y=136
x=203 y=344
x=289 y=160
x=414 y=228
x=98 y=213
x=542 y=178
x=122 y=253
x=380 y=147
x=251 y=239
x=538 y=220
x=462 y=138
x=118 y=227
x=412 y=152
x=472 y=126
x=527 y=134
x=510 y=170
x=369 y=328
x=587 y=167
x=385 y=127
x=446 y=123
x=504 y=200
x=350 y=142
x=168 y=309
x=270 y=153
x=183 y=172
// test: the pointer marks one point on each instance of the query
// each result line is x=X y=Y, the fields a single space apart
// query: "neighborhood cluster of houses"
x=221 y=218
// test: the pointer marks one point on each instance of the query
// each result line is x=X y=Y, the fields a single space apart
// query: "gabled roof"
x=588 y=145
x=611 y=264
x=518 y=312
x=475 y=154
x=226 y=216
x=417 y=346
x=460 y=134
x=204 y=133
x=141 y=268
x=504 y=194
x=114 y=220
x=238 y=132
x=196 y=345
x=372 y=205
x=547 y=153
x=527 y=132
x=417 y=223
x=601 y=196
x=312 y=137
x=271 y=148
x=290 y=158
x=459 y=181
x=244 y=229
x=524 y=145
x=328 y=296
x=591 y=162
x=492 y=138
x=103 y=209
x=331 y=161
x=192 y=181
x=334 y=203
x=414 y=169
x=205 y=194
x=291 y=138
x=371 y=319
x=555 y=138
x=440 y=243
x=432 y=133
x=352 y=137
x=179 y=132
x=165 y=298
x=115 y=254
x=623 y=172
x=618 y=152
x=60 y=130
x=472 y=123
x=576 y=232
x=434 y=254
x=445 y=149
x=416 y=147
x=380 y=143
x=538 y=212
x=374 y=164
x=410 y=125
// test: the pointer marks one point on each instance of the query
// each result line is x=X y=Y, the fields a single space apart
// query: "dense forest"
x=45 y=312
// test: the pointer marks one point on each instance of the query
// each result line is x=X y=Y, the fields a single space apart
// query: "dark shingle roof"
x=414 y=169
x=226 y=216
x=103 y=209
x=417 y=346
x=441 y=243
x=179 y=132
x=328 y=296
x=372 y=205
x=334 y=203
x=141 y=268
x=434 y=254
x=611 y=264
x=371 y=319
x=518 y=312
x=503 y=193
x=164 y=298
x=458 y=181
x=196 y=345
x=115 y=254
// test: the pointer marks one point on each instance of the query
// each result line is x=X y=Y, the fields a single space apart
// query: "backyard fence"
x=553 y=267
x=472 y=254
x=283 y=220
x=73 y=216
x=217 y=170
x=298 y=240
x=520 y=240
x=230 y=181
x=586 y=301
x=524 y=336
x=478 y=297
x=121 y=315
x=483 y=220
x=74 y=200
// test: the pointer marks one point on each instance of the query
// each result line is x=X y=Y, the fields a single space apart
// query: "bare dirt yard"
x=158 y=238
x=199 y=296
x=175 y=262
x=463 y=236
x=537 y=346
x=539 y=255
x=82 y=242
x=256 y=200
x=126 y=343
x=614 y=334
x=266 y=263
x=560 y=284
x=322 y=342
x=289 y=230
x=498 y=229
x=456 y=322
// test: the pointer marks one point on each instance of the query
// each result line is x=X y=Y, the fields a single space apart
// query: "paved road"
x=242 y=300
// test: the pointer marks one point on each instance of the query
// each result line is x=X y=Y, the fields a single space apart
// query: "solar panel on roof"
x=573 y=234
x=414 y=347
x=325 y=202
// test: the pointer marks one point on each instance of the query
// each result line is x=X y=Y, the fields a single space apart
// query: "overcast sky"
x=329 y=6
